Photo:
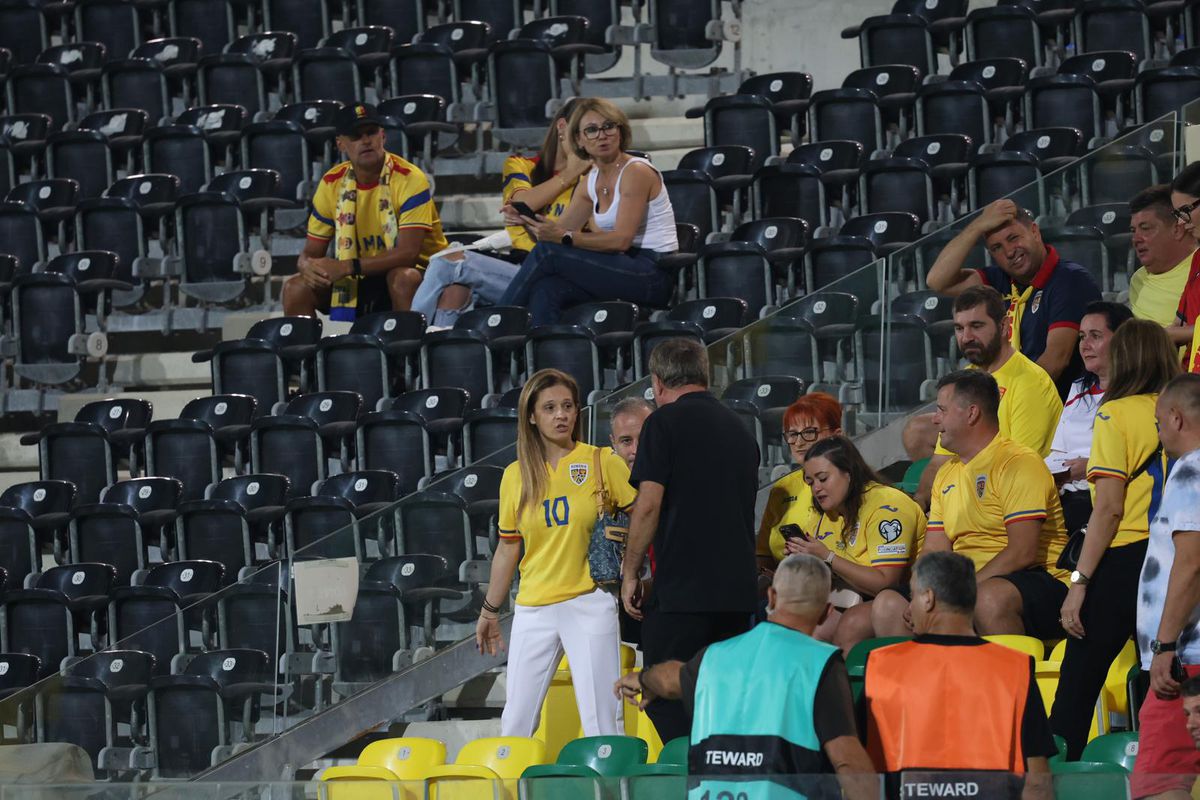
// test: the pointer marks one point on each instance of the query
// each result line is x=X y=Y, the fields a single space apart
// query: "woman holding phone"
x=455 y=282
x=548 y=502
x=868 y=533
x=630 y=226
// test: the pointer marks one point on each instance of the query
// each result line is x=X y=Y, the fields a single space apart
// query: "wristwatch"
x=1157 y=647
x=567 y=239
x=829 y=558
x=1079 y=579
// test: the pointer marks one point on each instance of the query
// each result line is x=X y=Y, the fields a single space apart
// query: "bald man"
x=768 y=702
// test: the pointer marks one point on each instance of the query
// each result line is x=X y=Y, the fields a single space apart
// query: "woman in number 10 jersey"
x=548 y=502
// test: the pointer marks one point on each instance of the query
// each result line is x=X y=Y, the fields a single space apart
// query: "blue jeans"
x=555 y=277
x=486 y=276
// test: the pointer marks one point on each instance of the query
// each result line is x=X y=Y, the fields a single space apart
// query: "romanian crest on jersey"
x=980 y=485
x=579 y=473
x=1037 y=301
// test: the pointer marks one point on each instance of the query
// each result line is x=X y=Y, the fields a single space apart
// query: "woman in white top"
x=1073 y=439
x=630 y=225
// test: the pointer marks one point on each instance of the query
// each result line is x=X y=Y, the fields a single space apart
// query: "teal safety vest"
x=754 y=717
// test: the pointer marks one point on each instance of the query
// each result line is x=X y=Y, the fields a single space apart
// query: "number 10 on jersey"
x=558 y=512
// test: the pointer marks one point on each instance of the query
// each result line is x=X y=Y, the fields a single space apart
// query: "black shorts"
x=1042 y=596
x=373 y=296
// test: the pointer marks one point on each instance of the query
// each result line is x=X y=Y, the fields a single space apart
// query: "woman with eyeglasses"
x=1185 y=203
x=810 y=419
x=629 y=223
x=457 y=281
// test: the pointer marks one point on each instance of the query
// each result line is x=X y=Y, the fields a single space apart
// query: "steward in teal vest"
x=753 y=733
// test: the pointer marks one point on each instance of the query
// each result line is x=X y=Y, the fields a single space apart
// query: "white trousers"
x=587 y=628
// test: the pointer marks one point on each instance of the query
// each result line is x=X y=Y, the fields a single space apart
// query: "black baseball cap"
x=348 y=120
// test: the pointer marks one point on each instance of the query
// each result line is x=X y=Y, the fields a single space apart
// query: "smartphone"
x=792 y=531
x=523 y=209
x=1177 y=670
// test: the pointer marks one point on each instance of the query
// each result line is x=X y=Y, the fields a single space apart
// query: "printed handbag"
x=607 y=545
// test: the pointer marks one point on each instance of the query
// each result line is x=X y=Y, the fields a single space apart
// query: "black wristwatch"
x=356 y=268
x=1157 y=647
x=567 y=239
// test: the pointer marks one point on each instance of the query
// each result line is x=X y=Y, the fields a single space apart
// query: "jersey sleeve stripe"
x=1064 y=323
x=889 y=562
x=515 y=176
x=320 y=218
x=1024 y=516
x=1106 y=472
x=321 y=239
x=935 y=527
x=416 y=201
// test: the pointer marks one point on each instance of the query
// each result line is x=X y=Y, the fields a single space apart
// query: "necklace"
x=605 y=190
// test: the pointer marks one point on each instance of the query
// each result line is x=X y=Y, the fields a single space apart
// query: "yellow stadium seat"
x=1059 y=651
x=1025 y=644
x=560 y=714
x=1046 y=675
x=485 y=768
x=364 y=783
x=1114 y=685
x=408 y=757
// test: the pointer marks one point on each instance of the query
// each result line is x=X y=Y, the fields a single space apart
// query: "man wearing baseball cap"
x=378 y=211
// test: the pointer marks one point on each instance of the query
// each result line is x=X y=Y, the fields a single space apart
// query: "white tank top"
x=657 y=231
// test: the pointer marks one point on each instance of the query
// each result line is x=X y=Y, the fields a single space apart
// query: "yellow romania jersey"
x=788 y=503
x=1123 y=437
x=889 y=533
x=410 y=197
x=1029 y=405
x=1006 y=482
x=556 y=531
x=516 y=172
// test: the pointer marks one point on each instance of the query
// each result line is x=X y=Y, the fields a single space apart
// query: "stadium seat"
x=1117 y=173
x=832 y=258
x=674 y=752
x=461 y=357
x=96 y=697
x=139 y=83
x=1004 y=31
x=1113 y=25
x=570 y=348
x=219 y=694
x=186 y=450
x=132 y=515
x=436 y=523
x=1163 y=91
x=222 y=124
x=788 y=93
x=83 y=156
x=955 y=107
x=281 y=145
x=681 y=32
x=1003 y=81
x=1064 y=101
x=327 y=73
x=361 y=782
x=213 y=256
x=897 y=184
x=846 y=114
x=156 y=615
x=718 y=317
x=693 y=199
x=407 y=757
x=22 y=233
x=888 y=231
x=609 y=756
x=24 y=29
x=559 y=782
x=1086 y=780
x=1008 y=172
x=374 y=642
x=897 y=39
x=41 y=89
x=856 y=661
x=29 y=510
x=79 y=453
x=396 y=441
x=1113 y=748
x=523 y=85
x=499 y=761
x=405 y=17
x=649 y=781
x=488 y=431
x=228 y=525
x=47 y=619
x=1113 y=71
x=896 y=86
x=791 y=190
x=1025 y=644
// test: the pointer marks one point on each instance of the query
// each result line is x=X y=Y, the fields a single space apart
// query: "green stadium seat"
x=1089 y=780
x=1113 y=748
x=560 y=782
x=610 y=756
x=656 y=781
x=1137 y=684
x=856 y=662
x=912 y=476
x=675 y=752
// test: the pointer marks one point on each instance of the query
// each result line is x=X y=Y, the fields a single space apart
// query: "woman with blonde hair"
x=630 y=226
x=1127 y=470
x=549 y=501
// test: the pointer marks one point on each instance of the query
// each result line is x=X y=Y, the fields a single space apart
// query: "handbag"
x=606 y=548
x=1069 y=557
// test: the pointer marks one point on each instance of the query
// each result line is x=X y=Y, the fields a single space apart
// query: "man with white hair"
x=769 y=706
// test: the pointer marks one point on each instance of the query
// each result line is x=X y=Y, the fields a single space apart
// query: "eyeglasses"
x=1184 y=213
x=593 y=132
x=808 y=435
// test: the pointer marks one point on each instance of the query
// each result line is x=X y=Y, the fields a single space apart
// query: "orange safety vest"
x=946 y=707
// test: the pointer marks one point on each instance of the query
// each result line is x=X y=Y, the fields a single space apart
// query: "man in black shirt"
x=697 y=474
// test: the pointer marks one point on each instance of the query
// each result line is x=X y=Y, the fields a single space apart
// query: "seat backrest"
x=145 y=494
x=187 y=577
x=308 y=19
x=1064 y=101
x=253 y=491
x=993 y=73
x=396 y=441
x=284 y=331
x=149 y=189
x=745 y=120
x=773 y=233
x=80 y=454
x=458 y=358
x=79 y=580
x=179 y=150
x=215 y=118
x=116 y=668
x=354 y=362
x=228 y=667
x=444 y=402
x=495 y=321
x=434 y=522
x=137 y=83
x=391 y=326
x=327 y=73
x=1047 y=142
x=18 y=669
x=897 y=184
x=85 y=265
x=326 y=407
x=885 y=79
x=211 y=236
x=21 y=232
x=1162 y=91
x=846 y=114
x=1004 y=31
x=474 y=483
x=41 y=89
x=117 y=413
x=1113 y=25
x=210 y=21
x=221 y=410
x=778 y=86
x=407 y=758
x=416 y=571
x=39 y=497
x=186 y=450
x=712 y=312
x=897 y=39
x=83 y=156
x=48 y=314
x=884 y=228
x=406 y=18
x=611 y=756
x=362 y=487
x=279 y=145
x=45 y=194
x=507 y=756
x=522 y=78
x=719 y=161
x=232 y=78
x=954 y=107
x=601 y=317
x=777 y=391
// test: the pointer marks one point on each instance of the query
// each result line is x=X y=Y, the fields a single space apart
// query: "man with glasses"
x=378 y=212
x=1046 y=295
x=1185 y=202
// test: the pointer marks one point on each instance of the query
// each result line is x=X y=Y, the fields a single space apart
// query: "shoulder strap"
x=601 y=490
x=1155 y=456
